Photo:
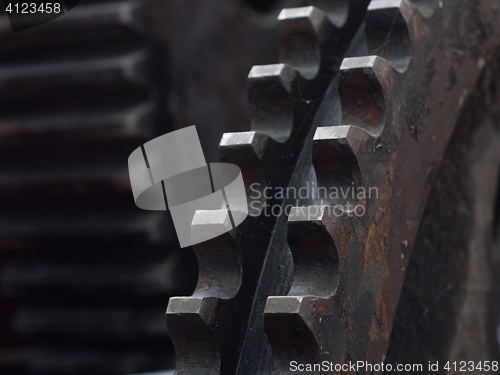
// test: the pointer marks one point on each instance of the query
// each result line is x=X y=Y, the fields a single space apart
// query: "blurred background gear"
x=84 y=275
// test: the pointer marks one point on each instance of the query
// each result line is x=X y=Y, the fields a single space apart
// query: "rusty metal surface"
x=327 y=286
x=449 y=302
x=219 y=332
x=359 y=100
x=374 y=250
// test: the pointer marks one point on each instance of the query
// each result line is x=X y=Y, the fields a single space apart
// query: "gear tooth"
x=336 y=151
x=313 y=39
x=300 y=34
x=218 y=258
x=391 y=25
x=314 y=253
x=190 y=322
x=271 y=105
x=294 y=323
x=287 y=323
x=146 y=226
x=364 y=89
x=131 y=67
x=425 y=7
x=136 y=123
x=337 y=11
x=247 y=150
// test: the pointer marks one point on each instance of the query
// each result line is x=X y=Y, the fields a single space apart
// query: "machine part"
x=229 y=324
x=448 y=308
x=211 y=48
x=100 y=71
x=86 y=272
x=265 y=295
x=326 y=286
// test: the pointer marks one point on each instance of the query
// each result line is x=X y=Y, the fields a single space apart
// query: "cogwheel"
x=359 y=101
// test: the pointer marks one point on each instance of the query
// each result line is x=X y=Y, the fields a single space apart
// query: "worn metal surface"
x=218 y=332
x=355 y=322
x=448 y=308
x=309 y=287
x=326 y=286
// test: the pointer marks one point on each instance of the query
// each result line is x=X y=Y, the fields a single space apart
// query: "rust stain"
x=374 y=249
x=347 y=361
x=384 y=322
x=374 y=332
x=352 y=335
x=418 y=26
x=446 y=21
x=345 y=236
x=360 y=101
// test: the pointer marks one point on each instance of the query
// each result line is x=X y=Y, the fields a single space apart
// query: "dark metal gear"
x=311 y=285
x=449 y=304
x=83 y=275
x=86 y=272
